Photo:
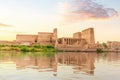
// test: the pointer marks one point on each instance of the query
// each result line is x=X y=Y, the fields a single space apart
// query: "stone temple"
x=83 y=39
x=42 y=38
x=80 y=40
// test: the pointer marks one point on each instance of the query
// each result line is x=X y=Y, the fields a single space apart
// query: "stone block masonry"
x=80 y=40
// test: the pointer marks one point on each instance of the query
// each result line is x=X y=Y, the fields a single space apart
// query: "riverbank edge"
x=49 y=48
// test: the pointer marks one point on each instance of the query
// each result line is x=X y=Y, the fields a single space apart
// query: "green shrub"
x=24 y=49
x=36 y=46
x=48 y=46
x=99 y=50
x=16 y=49
x=12 y=45
x=105 y=45
x=2 y=45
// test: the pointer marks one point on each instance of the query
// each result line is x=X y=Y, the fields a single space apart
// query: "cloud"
x=4 y=25
x=80 y=10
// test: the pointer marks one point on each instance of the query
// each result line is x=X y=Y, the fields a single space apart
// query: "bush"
x=105 y=45
x=99 y=50
x=2 y=45
x=48 y=46
x=13 y=46
x=36 y=46
x=24 y=49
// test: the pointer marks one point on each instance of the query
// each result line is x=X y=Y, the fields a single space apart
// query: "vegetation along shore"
x=23 y=48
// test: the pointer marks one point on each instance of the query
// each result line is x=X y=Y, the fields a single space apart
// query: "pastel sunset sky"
x=69 y=16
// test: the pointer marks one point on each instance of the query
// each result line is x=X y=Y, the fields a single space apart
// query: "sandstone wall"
x=88 y=34
x=77 y=35
x=72 y=43
x=113 y=44
x=45 y=38
x=26 y=38
x=55 y=34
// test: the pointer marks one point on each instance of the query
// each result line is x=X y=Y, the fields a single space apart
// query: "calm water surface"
x=59 y=66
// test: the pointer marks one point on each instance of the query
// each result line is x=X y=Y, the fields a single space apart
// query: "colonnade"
x=70 y=41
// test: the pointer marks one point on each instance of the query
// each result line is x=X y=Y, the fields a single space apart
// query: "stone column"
x=67 y=41
x=63 y=42
x=70 y=41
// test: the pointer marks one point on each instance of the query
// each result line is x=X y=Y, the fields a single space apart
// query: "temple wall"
x=84 y=39
x=113 y=44
x=77 y=35
x=44 y=37
x=88 y=35
x=26 y=38
x=55 y=34
x=72 y=44
x=80 y=41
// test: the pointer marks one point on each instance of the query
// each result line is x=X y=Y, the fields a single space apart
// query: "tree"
x=105 y=45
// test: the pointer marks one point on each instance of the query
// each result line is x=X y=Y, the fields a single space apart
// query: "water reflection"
x=60 y=65
x=81 y=62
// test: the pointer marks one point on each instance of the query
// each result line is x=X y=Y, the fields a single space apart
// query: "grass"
x=23 y=48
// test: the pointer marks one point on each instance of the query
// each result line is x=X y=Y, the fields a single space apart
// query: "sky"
x=69 y=16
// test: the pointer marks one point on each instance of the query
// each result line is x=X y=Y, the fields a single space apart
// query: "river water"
x=59 y=66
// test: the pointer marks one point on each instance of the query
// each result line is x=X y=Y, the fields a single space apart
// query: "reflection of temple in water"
x=81 y=62
x=35 y=62
x=76 y=62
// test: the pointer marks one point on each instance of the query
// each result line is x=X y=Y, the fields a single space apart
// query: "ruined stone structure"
x=88 y=35
x=113 y=44
x=26 y=39
x=80 y=40
x=71 y=42
x=43 y=38
x=77 y=35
